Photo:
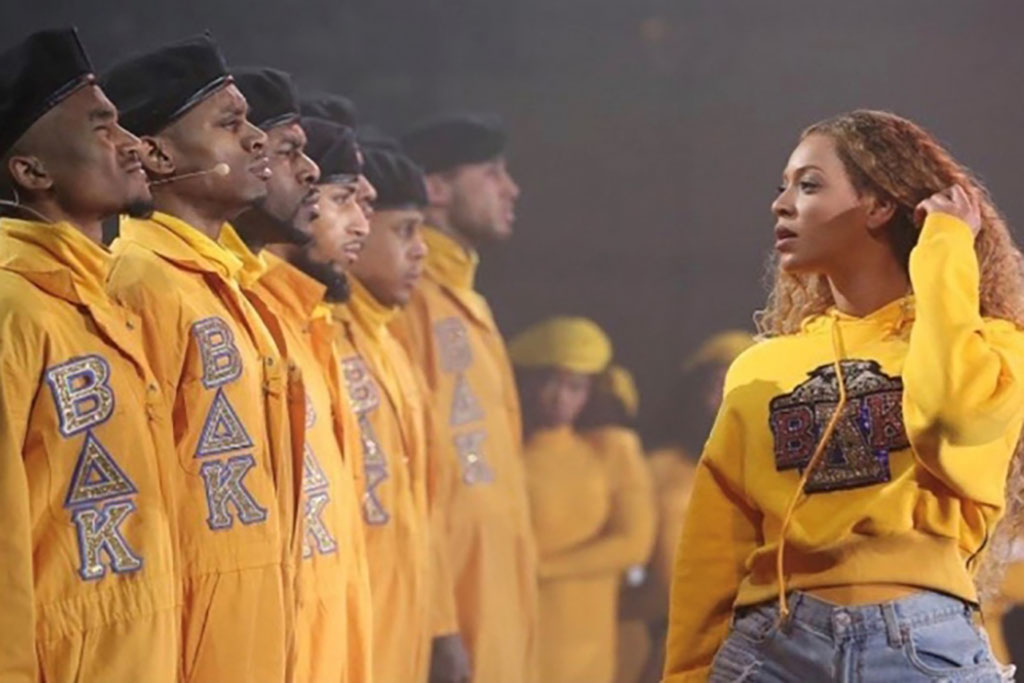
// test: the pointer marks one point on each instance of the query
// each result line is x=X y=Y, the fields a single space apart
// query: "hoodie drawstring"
x=819 y=453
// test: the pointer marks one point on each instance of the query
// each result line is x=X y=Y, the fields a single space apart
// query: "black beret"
x=337 y=108
x=443 y=143
x=397 y=179
x=36 y=75
x=152 y=90
x=333 y=147
x=270 y=93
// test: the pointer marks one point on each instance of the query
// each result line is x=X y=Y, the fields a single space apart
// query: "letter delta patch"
x=96 y=477
x=465 y=406
x=869 y=430
x=221 y=361
x=81 y=391
x=222 y=431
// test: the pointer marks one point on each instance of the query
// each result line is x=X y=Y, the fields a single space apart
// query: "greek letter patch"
x=869 y=430
x=81 y=391
x=363 y=395
x=96 y=477
x=223 y=430
x=221 y=361
x=453 y=343
x=469 y=447
x=99 y=531
x=225 y=486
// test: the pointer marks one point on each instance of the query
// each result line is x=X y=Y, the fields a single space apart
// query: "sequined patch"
x=465 y=406
x=310 y=413
x=223 y=430
x=81 y=392
x=364 y=397
x=99 y=533
x=469 y=447
x=221 y=361
x=453 y=344
x=224 y=481
x=96 y=476
x=375 y=470
x=869 y=430
x=362 y=391
x=316 y=531
x=313 y=477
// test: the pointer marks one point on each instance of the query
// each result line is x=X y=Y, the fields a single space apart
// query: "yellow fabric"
x=672 y=472
x=67 y=615
x=619 y=382
x=251 y=266
x=593 y=517
x=218 y=366
x=570 y=343
x=918 y=517
x=450 y=335
x=334 y=609
x=360 y=628
x=721 y=348
x=382 y=391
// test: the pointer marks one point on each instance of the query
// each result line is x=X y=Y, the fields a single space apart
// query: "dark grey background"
x=648 y=136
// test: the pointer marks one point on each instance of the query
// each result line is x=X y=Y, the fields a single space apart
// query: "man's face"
x=91 y=164
x=339 y=231
x=216 y=131
x=482 y=200
x=392 y=260
x=292 y=193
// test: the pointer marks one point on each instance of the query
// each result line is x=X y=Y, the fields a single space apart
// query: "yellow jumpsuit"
x=392 y=475
x=87 y=547
x=219 y=369
x=450 y=335
x=333 y=621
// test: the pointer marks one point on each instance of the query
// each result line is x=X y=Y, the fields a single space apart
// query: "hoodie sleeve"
x=963 y=374
x=721 y=530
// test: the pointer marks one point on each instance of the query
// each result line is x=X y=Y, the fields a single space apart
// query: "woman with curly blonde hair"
x=864 y=452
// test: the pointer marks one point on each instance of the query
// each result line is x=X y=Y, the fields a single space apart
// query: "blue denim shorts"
x=924 y=637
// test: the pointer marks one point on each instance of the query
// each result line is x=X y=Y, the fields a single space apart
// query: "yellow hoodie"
x=87 y=547
x=913 y=479
x=219 y=370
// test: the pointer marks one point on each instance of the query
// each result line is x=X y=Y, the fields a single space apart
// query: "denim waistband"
x=842 y=622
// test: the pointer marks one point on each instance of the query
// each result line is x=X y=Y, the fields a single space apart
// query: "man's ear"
x=28 y=172
x=439 y=189
x=157 y=156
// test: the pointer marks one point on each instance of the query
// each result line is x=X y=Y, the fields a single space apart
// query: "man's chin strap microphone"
x=220 y=169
